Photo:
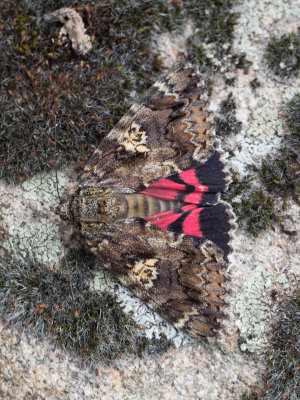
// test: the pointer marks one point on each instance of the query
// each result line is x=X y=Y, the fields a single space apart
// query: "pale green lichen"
x=45 y=187
x=291 y=91
x=255 y=21
x=266 y=123
x=253 y=308
x=103 y=281
x=38 y=245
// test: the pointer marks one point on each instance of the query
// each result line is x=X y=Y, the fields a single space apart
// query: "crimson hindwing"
x=199 y=188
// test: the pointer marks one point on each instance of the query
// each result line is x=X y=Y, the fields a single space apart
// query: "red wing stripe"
x=189 y=207
x=164 y=189
x=194 y=198
x=162 y=220
x=191 y=224
x=190 y=178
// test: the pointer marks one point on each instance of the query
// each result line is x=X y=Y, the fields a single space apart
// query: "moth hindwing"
x=148 y=204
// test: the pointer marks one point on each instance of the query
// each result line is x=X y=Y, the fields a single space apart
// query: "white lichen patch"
x=153 y=325
x=254 y=309
x=266 y=123
x=39 y=245
x=291 y=91
x=45 y=187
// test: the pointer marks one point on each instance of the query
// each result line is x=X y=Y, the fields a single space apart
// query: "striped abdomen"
x=141 y=205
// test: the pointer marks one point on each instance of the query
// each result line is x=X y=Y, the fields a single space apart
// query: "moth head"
x=64 y=209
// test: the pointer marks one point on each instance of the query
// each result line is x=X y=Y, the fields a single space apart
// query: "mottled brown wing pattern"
x=174 y=260
x=179 y=276
x=166 y=132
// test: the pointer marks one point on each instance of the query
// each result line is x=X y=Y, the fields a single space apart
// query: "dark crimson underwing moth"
x=148 y=205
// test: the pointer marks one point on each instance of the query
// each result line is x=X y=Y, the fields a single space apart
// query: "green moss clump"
x=58 y=106
x=282 y=55
x=227 y=124
x=241 y=62
x=254 y=84
x=280 y=174
x=60 y=304
x=251 y=396
x=282 y=378
x=254 y=210
x=292 y=119
x=238 y=187
x=215 y=23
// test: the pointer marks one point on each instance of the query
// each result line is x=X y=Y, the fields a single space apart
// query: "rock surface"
x=225 y=367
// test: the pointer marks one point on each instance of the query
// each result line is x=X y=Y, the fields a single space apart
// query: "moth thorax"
x=96 y=208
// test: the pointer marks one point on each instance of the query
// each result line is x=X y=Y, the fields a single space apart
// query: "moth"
x=148 y=205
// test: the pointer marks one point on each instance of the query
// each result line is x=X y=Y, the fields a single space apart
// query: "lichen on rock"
x=254 y=309
x=266 y=123
x=44 y=187
x=40 y=245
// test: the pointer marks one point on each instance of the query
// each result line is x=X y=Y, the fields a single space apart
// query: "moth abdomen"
x=142 y=206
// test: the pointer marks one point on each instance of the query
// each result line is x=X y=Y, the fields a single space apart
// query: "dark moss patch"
x=254 y=210
x=230 y=81
x=280 y=174
x=250 y=396
x=292 y=120
x=58 y=106
x=60 y=304
x=215 y=23
x=254 y=84
x=227 y=124
x=240 y=61
x=282 y=55
x=282 y=377
x=238 y=187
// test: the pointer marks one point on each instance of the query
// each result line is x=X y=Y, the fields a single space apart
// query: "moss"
x=254 y=84
x=292 y=119
x=211 y=46
x=255 y=211
x=282 y=377
x=238 y=187
x=214 y=21
x=282 y=55
x=240 y=61
x=59 y=304
x=230 y=81
x=280 y=174
x=58 y=106
x=249 y=396
x=227 y=124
